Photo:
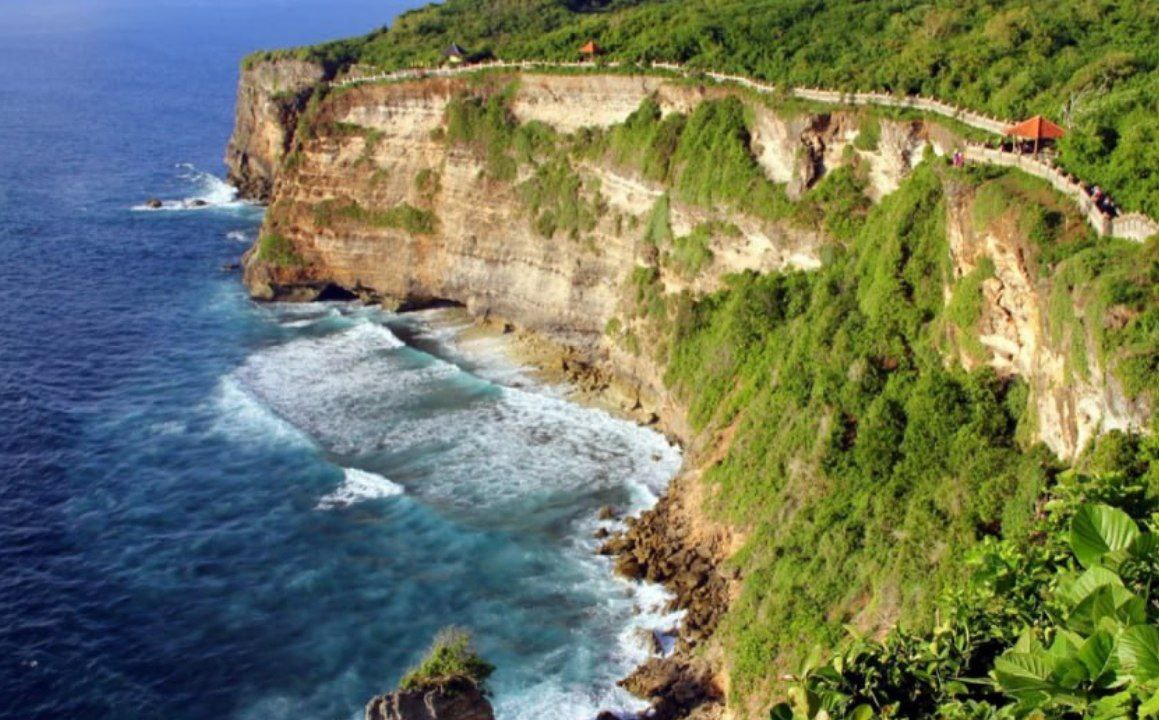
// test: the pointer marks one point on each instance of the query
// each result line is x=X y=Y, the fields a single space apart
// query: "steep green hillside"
x=1091 y=64
x=881 y=488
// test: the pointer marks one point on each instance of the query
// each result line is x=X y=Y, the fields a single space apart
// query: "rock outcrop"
x=1070 y=406
x=270 y=97
x=463 y=701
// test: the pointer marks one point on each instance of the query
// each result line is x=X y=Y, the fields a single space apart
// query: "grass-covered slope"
x=865 y=469
x=1091 y=64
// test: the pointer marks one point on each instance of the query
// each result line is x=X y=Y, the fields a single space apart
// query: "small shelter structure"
x=590 y=50
x=455 y=54
x=1037 y=129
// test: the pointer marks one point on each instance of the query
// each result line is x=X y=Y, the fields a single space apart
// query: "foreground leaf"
x=1098 y=530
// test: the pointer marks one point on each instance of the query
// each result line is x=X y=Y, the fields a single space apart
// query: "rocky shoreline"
x=668 y=544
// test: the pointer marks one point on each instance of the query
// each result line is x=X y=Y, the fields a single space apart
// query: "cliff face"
x=471 y=238
x=382 y=147
x=270 y=96
x=1072 y=398
x=373 y=194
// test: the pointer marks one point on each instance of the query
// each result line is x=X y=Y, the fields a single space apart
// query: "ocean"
x=211 y=508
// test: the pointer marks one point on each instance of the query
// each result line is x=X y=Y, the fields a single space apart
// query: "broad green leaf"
x=1112 y=707
x=1091 y=580
x=1018 y=672
x=1063 y=647
x=1138 y=652
x=1098 y=529
x=1028 y=642
x=1150 y=708
x=1145 y=546
x=1108 y=607
x=1096 y=655
x=1068 y=673
x=861 y=712
x=1096 y=607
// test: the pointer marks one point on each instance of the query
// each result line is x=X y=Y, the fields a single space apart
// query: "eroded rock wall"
x=1072 y=400
x=270 y=95
x=484 y=251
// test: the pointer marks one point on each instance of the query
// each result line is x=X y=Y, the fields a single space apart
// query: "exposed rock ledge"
x=463 y=701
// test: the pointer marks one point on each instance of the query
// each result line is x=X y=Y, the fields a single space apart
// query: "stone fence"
x=1133 y=226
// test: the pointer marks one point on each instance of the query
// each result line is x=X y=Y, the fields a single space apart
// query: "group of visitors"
x=1010 y=145
x=1102 y=200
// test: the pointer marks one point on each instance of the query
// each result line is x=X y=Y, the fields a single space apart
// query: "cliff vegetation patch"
x=274 y=248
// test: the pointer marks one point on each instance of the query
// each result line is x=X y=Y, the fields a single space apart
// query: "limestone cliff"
x=270 y=96
x=1074 y=396
x=374 y=193
x=372 y=199
x=382 y=147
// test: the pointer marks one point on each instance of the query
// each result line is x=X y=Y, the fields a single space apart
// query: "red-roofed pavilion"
x=1037 y=129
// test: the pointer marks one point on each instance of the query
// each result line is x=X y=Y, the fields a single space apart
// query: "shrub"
x=451 y=660
x=276 y=249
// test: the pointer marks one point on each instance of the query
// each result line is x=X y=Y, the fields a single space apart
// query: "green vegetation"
x=647 y=141
x=965 y=308
x=1116 y=285
x=658 y=229
x=884 y=465
x=276 y=249
x=1064 y=625
x=887 y=472
x=837 y=203
x=558 y=202
x=691 y=253
x=451 y=661
x=868 y=132
x=427 y=182
x=417 y=221
x=1091 y=64
x=486 y=124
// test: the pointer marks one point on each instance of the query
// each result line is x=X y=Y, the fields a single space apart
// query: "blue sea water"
x=216 y=509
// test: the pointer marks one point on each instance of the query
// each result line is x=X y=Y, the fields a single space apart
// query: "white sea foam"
x=506 y=457
x=359 y=485
x=209 y=192
x=238 y=414
x=484 y=447
x=240 y=236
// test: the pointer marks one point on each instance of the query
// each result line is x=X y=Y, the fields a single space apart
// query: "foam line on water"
x=208 y=192
x=359 y=485
x=238 y=414
x=509 y=459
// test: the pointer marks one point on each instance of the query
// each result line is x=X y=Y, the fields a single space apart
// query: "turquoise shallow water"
x=216 y=509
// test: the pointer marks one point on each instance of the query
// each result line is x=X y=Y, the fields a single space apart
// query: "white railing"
x=1132 y=226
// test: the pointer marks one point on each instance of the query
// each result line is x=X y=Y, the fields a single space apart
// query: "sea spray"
x=359 y=485
x=512 y=462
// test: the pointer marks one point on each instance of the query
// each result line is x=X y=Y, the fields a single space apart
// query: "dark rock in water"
x=628 y=567
x=153 y=203
x=197 y=203
x=460 y=701
x=601 y=533
x=607 y=512
x=230 y=267
x=607 y=715
x=675 y=687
